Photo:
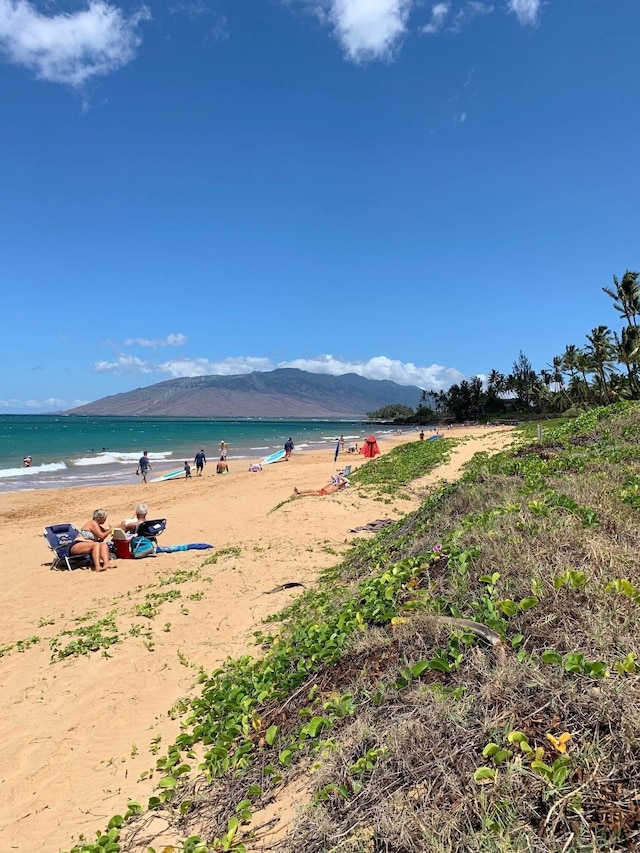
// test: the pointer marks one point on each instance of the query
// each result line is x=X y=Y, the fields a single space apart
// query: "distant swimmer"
x=26 y=461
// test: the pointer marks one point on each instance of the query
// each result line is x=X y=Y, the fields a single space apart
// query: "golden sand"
x=75 y=735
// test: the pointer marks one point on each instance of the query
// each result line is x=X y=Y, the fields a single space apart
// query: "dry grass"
x=548 y=525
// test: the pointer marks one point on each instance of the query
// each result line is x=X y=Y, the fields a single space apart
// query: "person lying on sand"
x=337 y=483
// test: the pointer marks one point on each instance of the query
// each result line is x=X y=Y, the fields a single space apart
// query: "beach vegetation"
x=98 y=636
x=392 y=472
x=467 y=679
x=19 y=645
x=231 y=551
x=150 y=607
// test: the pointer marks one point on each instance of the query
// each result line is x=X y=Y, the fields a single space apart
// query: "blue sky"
x=407 y=190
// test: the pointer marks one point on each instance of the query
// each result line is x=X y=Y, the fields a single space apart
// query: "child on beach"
x=187 y=471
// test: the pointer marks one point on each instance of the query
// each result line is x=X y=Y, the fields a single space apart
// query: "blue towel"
x=194 y=546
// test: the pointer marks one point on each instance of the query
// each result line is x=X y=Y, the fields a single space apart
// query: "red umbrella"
x=370 y=447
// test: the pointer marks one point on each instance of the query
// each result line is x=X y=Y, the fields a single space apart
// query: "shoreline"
x=79 y=468
x=77 y=733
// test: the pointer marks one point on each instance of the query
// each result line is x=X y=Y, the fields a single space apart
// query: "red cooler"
x=123 y=549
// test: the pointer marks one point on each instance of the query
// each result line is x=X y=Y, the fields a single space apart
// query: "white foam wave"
x=33 y=469
x=114 y=458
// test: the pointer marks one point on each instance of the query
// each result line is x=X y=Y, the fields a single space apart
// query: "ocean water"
x=72 y=451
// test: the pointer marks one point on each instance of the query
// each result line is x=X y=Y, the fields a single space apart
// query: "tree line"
x=605 y=369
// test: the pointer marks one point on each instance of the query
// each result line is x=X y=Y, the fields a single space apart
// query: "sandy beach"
x=78 y=734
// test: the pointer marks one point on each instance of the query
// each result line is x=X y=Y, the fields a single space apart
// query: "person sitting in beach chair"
x=130 y=525
x=60 y=538
x=89 y=541
x=152 y=529
x=337 y=483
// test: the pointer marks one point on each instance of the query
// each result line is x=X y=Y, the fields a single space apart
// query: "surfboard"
x=273 y=457
x=170 y=475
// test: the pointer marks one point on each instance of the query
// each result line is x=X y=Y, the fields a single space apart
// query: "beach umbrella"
x=370 y=447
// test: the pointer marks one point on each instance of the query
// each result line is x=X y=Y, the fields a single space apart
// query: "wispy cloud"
x=198 y=10
x=369 y=29
x=470 y=10
x=460 y=118
x=526 y=11
x=177 y=340
x=439 y=14
x=69 y=48
x=434 y=376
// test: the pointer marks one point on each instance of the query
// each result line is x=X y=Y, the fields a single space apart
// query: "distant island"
x=281 y=393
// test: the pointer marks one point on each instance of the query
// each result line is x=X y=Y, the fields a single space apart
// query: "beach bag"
x=141 y=547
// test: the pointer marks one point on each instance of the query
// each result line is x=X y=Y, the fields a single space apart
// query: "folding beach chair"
x=60 y=538
x=151 y=529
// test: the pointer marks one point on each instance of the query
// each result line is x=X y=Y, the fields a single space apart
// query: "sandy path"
x=75 y=735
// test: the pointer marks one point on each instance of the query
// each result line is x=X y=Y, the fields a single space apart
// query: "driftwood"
x=480 y=630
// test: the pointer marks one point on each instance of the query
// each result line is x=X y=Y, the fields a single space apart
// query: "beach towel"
x=194 y=546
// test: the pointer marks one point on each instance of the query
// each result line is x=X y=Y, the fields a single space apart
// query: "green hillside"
x=466 y=680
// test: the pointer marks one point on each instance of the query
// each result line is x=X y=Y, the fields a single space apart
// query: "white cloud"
x=526 y=11
x=51 y=404
x=369 y=29
x=69 y=48
x=439 y=13
x=434 y=377
x=125 y=364
x=203 y=367
x=460 y=118
x=177 y=340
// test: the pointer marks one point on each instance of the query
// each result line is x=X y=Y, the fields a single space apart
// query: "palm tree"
x=496 y=381
x=584 y=367
x=601 y=350
x=626 y=296
x=569 y=358
x=627 y=351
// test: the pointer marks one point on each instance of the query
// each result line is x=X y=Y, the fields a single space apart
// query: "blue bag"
x=141 y=547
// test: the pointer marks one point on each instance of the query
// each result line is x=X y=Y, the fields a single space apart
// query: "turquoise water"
x=81 y=451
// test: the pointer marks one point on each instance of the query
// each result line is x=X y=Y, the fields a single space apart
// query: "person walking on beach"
x=187 y=470
x=144 y=466
x=223 y=450
x=200 y=461
x=288 y=447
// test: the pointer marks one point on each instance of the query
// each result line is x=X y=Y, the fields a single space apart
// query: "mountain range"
x=281 y=393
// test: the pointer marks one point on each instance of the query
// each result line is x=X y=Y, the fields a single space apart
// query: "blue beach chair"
x=60 y=538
